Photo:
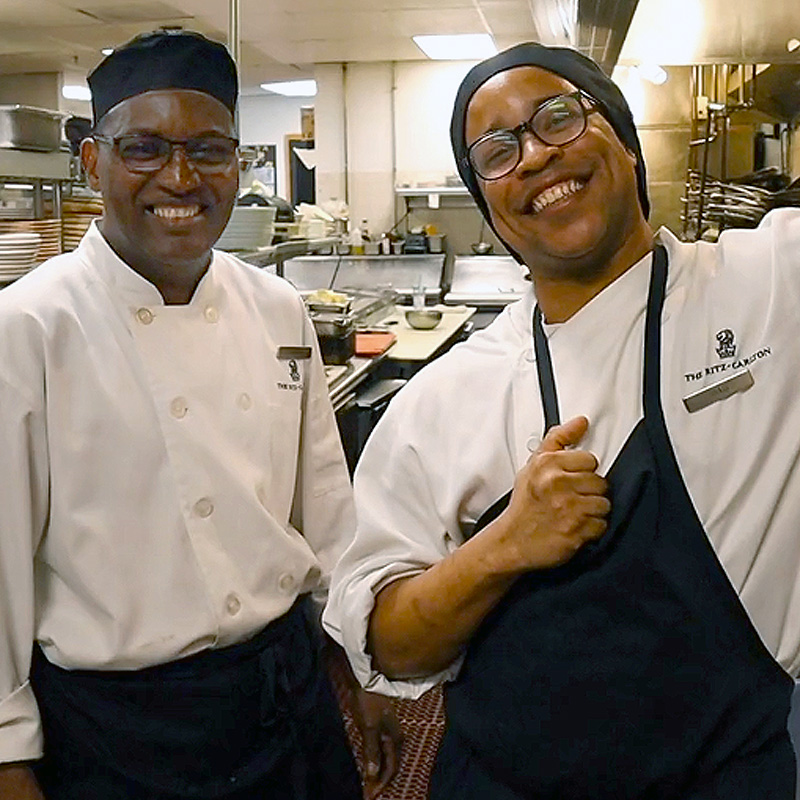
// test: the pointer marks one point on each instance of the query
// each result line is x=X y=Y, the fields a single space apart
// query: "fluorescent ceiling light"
x=107 y=51
x=292 y=88
x=71 y=91
x=460 y=47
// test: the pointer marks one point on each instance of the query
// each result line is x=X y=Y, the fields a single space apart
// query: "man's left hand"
x=376 y=720
x=382 y=736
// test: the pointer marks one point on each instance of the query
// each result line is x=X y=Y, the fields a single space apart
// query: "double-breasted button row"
x=179 y=406
x=146 y=316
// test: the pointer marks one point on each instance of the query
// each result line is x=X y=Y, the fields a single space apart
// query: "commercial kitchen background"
x=381 y=141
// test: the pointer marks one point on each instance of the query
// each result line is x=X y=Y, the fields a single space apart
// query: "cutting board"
x=373 y=343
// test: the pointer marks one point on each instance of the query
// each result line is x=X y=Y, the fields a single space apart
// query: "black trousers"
x=255 y=721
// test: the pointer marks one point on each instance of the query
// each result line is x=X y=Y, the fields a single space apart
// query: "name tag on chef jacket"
x=721 y=390
x=292 y=355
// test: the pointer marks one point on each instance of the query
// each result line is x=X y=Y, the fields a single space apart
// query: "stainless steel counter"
x=486 y=281
x=373 y=273
x=344 y=380
x=411 y=346
x=421 y=345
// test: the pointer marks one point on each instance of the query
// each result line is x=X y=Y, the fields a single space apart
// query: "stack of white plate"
x=17 y=254
x=48 y=229
x=77 y=214
x=249 y=228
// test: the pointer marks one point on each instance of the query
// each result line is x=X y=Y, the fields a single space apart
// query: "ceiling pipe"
x=234 y=46
x=234 y=40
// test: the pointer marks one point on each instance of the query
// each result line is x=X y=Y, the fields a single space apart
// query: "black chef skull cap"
x=581 y=71
x=165 y=59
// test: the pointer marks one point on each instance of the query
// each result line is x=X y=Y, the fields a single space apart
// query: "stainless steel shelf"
x=424 y=191
x=31 y=165
x=278 y=253
x=36 y=168
x=433 y=197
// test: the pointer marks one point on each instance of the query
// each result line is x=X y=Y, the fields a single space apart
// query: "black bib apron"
x=633 y=671
x=253 y=721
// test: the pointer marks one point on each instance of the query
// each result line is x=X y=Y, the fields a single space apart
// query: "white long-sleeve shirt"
x=453 y=439
x=167 y=483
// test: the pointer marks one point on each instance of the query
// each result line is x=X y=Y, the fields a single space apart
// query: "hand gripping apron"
x=633 y=671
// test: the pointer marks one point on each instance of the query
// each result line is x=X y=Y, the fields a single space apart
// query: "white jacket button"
x=203 y=507
x=233 y=604
x=244 y=401
x=178 y=407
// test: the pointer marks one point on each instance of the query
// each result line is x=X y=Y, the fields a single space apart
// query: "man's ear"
x=89 y=153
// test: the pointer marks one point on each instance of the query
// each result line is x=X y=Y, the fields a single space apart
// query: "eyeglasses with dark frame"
x=557 y=121
x=150 y=152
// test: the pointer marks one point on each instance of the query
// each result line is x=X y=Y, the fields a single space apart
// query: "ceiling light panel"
x=292 y=88
x=457 y=47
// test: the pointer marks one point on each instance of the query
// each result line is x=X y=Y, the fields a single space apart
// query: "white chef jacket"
x=167 y=483
x=453 y=439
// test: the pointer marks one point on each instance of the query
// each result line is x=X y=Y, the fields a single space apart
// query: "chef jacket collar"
x=136 y=291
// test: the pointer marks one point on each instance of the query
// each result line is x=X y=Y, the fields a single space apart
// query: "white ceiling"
x=282 y=39
x=279 y=39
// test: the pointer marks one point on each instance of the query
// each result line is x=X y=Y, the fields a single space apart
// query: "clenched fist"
x=558 y=502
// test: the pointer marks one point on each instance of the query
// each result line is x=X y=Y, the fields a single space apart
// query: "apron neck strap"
x=652 y=336
x=652 y=333
x=544 y=368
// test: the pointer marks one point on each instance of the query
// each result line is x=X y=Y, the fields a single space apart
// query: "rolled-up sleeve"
x=23 y=508
x=400 y=532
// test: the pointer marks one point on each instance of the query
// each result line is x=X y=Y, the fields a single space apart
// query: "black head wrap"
x=164 y=60
x=580 y=71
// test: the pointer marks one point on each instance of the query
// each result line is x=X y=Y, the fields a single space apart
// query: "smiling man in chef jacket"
x=172 y=485
x=584 y=519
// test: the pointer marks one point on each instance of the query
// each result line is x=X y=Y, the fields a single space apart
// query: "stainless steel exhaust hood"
x=595 y=27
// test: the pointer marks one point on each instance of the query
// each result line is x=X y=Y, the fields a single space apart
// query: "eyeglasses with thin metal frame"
x=150 y=152
x=557 y=121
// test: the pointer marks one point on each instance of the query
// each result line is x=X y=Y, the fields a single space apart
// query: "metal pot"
x=337 y=338
x=26 y=128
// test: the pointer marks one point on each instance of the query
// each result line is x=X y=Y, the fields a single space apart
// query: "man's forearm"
x=17 y=782
x=421 y=624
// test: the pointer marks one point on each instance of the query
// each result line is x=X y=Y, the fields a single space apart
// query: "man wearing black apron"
x=667 y=605
x=594 y=644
